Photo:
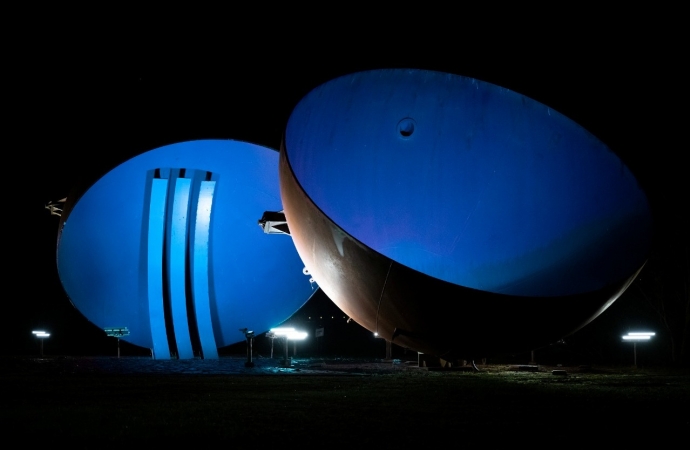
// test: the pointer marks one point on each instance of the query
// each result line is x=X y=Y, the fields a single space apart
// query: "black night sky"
x=87 y=101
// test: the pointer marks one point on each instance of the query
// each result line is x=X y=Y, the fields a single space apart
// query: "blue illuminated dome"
x=167 y=244
x=451 y=215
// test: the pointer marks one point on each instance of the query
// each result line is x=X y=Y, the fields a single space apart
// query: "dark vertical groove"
x=167 y=308
x=189 y=244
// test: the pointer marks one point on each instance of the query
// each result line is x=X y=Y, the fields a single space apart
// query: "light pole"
x=272 y=337
x=389 y=350
x=635 y=337
x=117 y=332
x=288 y=333
x=249 y=336
x=41 y=335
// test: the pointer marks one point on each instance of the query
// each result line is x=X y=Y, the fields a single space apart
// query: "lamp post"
x=288 y=333
x=635 y=337
x=41 y=335
x=117 y=332
x=249 y=336
x=389 y=350
x=272 y=337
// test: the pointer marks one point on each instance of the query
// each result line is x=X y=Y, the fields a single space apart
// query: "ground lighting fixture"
x=41 y=335
x=289 y=333
x=635 y=337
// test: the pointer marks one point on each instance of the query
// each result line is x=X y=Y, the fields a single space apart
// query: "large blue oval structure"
x=167 y=244
x=454 y=216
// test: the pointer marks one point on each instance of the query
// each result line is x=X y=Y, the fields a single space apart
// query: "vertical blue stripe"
x=200 y=280
x=178 y=255
x=159 y=190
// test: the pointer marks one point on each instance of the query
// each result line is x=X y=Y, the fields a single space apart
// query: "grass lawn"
x=386 y=408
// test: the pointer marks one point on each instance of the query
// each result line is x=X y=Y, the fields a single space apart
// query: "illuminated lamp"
x=288 y=333
x=167 y=243
x=635 y=337
x=41 y=335
x=638 y=336
x=456 y=217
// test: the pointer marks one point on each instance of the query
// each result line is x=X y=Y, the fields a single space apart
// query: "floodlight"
x=117 y=332
x=635 y=337
x=297 y=336
x=42 y=335
x=281 y=331
x=249 y=336
x=289 y=333
x=639 y=336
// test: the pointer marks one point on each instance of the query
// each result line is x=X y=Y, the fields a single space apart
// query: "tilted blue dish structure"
x=456 y=217
x=167 y=245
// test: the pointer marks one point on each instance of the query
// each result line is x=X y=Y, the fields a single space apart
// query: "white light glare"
x=289 y=333
x=41 y=334
x=639 y=336
x=282 y=331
